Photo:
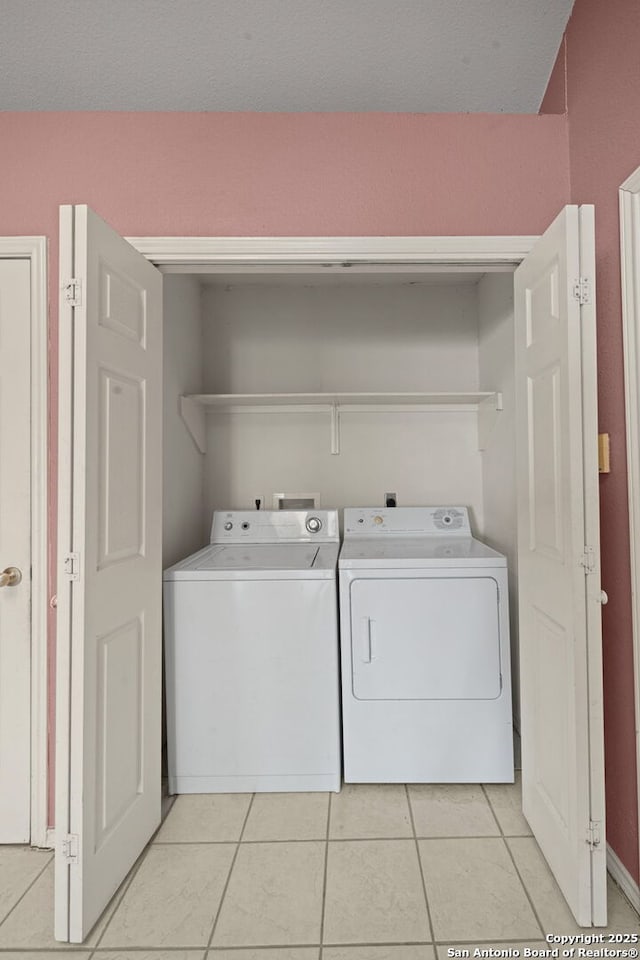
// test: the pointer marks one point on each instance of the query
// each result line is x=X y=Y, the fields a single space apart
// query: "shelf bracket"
x=194 y=416
x=488 y=411
x=335 y=428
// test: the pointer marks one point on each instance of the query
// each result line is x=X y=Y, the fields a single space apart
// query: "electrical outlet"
x=390 y=500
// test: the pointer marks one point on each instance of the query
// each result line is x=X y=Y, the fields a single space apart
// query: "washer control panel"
x=406 y=521
x=274 y=526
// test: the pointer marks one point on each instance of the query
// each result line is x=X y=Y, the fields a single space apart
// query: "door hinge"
x=582 y=290
x=588 y=560
x=71 y=566
x=71 y=847
x=593 y=834
x=73 y=292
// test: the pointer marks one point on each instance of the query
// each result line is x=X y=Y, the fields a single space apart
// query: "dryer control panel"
x=406 y=522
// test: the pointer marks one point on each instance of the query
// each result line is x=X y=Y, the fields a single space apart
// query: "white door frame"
x=34 y=249
x=629 y=199
x=200 y=254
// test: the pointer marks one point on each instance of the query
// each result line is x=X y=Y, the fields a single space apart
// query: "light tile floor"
x=373 y=873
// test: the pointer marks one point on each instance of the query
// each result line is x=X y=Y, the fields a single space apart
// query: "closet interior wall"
x=184 y=519
x=352 y=336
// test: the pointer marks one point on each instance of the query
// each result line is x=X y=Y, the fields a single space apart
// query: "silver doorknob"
x=10 y=577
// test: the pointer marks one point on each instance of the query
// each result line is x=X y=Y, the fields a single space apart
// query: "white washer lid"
x=251 y=561
x=419 y=552
x=255 y=556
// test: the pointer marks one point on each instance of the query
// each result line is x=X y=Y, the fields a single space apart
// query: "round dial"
x=314 y=524
x=228 y=525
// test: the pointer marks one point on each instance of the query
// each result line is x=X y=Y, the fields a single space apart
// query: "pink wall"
x=279 y=174
x=257 y=174
x=603 y=106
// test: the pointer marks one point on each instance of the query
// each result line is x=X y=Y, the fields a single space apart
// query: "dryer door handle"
x=368 y=655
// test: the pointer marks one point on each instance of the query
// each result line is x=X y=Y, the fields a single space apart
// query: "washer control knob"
x=378 y=520
x=228 y=525
x=314 y=524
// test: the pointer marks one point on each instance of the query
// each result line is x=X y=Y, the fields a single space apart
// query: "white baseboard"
x=623 y=878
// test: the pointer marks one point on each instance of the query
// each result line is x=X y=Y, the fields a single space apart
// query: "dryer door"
x=425 y=638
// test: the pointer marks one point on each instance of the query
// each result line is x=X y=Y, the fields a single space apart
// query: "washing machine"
x=424 y=632
x=252 y=660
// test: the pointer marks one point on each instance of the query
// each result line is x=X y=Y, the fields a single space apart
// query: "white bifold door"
x=558 y=560
x=109 y=649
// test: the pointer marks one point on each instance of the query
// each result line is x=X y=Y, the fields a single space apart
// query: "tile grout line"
x=228 y=880
x=247 y=843
x=324 y=879
x=129 y=880
x=81 y=951
x=493 y=813
x=524 y=887
x=516 y=940
x=424 y=885
x=515 y=865
x=125 y=887
x=413 y=943
x=26 y=891
x=212 y=951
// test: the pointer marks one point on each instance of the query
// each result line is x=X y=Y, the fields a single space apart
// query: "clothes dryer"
x=426 y=682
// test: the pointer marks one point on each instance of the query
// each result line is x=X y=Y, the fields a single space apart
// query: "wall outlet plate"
x=390 y=500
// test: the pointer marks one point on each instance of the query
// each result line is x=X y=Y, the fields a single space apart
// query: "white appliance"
x=424 y=626
x=251 y=640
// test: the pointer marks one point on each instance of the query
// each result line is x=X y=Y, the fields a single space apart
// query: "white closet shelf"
x=285 y=399
x=194 y=407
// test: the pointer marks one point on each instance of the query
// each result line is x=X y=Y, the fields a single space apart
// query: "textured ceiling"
x=278 y=55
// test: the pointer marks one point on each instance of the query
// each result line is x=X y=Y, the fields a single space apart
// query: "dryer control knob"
x=314 y=524
x=228 y=525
